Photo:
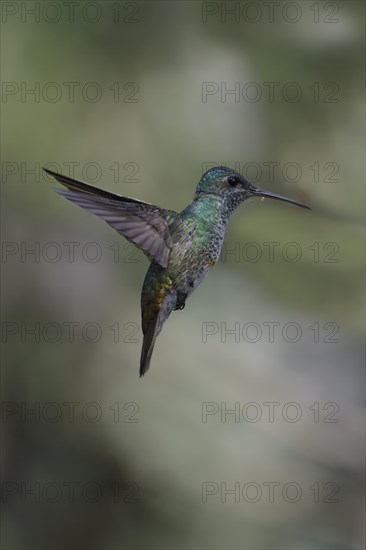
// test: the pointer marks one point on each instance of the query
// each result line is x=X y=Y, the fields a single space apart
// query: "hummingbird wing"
x=145 y=225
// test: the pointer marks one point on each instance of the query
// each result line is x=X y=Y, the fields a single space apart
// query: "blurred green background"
x=139 y=122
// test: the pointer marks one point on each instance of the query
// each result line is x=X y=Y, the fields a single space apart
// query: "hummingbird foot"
x=181 y=302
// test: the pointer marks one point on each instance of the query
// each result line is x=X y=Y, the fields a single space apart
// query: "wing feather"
x=147 y=226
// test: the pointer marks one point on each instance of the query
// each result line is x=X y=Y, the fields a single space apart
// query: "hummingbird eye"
x=233 y=180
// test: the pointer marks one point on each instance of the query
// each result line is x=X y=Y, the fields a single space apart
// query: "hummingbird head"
x=233 y=188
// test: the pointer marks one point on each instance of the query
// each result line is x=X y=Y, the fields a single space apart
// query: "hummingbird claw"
x=181 y=302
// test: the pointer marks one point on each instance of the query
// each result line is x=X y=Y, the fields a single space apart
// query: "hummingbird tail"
x=148 y=347
x=152 y=329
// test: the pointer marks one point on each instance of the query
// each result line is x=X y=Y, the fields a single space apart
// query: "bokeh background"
x=138 y=453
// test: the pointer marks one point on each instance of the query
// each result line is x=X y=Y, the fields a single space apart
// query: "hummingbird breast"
x=196 y=249
x=201 y=252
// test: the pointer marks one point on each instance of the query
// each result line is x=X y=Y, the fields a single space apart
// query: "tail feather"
x=148 y=346
x=152 y=329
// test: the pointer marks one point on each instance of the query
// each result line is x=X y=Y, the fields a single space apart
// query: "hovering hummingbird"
x=182 y=247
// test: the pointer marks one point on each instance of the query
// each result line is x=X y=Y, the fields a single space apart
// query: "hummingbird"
x=182 y=247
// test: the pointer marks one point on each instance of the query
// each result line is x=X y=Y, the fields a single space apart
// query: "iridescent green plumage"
x=181 y=247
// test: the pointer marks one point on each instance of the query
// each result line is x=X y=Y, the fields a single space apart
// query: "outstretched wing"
x=145 y=225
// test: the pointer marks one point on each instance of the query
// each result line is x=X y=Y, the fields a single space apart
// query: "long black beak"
x=255 y=192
